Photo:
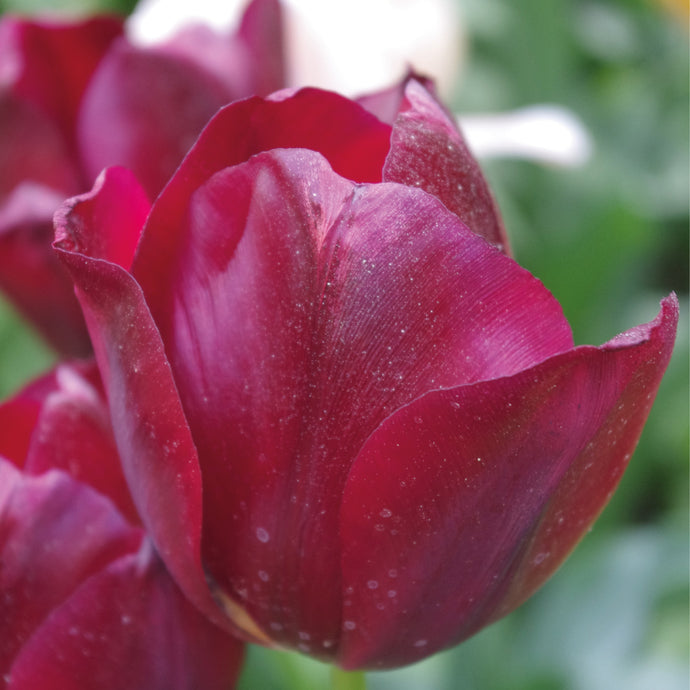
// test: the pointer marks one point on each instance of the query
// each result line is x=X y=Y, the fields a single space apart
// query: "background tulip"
x=396 y=438
x=84 y=599
x=77 y=96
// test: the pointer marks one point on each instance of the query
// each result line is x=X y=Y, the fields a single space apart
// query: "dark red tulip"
x=344 y=414
x=78 y=97
x=84 y=599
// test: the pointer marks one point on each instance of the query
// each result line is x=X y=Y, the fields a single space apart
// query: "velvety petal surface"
x=428 y=151
x=302 y=310
x=94 y=237
x=128 y=627
x=465 y=501
x=354 y=142
x=54 y=533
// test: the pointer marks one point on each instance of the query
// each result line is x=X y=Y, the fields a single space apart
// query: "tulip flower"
x=345 y=415
x=76 y=97
x=84 y=599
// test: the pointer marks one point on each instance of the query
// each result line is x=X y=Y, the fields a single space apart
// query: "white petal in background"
x=358 y=46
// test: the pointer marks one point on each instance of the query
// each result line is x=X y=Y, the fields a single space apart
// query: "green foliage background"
x=609 y=240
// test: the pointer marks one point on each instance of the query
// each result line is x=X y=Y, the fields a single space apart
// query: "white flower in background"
x=358 y=46
x=351 y=47
x=549 y=134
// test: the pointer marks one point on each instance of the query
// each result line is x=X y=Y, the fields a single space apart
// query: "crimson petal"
x=128 y=627
x=428 y=151
x=72 y=432
x=354 y=142
x=50 y=64
x=45 y=549
x=156 y=449
x=461 y=504
x=304 y=309
x=143 y=109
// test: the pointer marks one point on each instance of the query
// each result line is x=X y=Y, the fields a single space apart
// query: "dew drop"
x=373 y=584
x=420 y=643
x=349 y=625
x=385 y=513
x=262 y=535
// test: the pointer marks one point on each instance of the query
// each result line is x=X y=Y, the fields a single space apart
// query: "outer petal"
x=156 y=449
x=465 y=501
x=128 y=627
x=354 y=142
x=54 y=533
x=303 y=309
x=428 y=151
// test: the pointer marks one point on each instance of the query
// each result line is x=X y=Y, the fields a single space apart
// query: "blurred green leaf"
x=22 y=354
x=67 y=7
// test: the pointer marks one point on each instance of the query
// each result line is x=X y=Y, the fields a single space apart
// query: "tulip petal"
x=31 y=275
x=354 y=142
x=385 y=103
x=73 y=433
x=331 y=305
x=156 y=449
x=61 y=421
x=128 y=627
x=465 y=501
x=49 y=64
x=33 y=150
x=54 y=533
x=428 y=151
x=143 y=109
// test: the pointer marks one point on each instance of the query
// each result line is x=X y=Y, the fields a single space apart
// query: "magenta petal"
x=128 y=627
x=31 y=275
x=51 y=63
x=156 y=449
x=45 y=550
x=428 y=151
x=143 y=110
x=73 y=433
x=355 y=144
x=385 y=104
x=33 y=150
x=117 y=207
x=303 y=311
x=466 y=500
x=261 y=33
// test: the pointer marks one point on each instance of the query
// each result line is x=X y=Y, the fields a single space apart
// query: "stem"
x=347 y=680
